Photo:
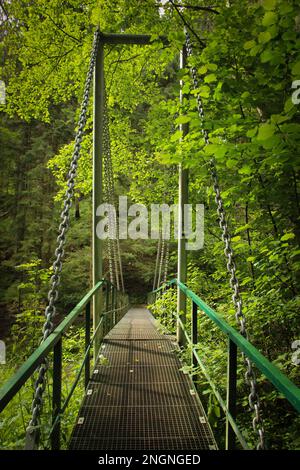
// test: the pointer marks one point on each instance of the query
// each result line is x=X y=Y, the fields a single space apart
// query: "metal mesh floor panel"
x=157 y=394
x=140 y=400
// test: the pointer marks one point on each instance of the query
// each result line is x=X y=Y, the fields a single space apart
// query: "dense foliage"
x=247 y=56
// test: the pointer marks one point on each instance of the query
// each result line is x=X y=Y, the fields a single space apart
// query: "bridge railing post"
x=113 y=306
x=194 y=362
x=56 y=395
x=106 y=310
x=231 y=392
x=87 y=342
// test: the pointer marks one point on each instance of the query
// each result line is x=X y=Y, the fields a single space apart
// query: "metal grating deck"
x=140 y=400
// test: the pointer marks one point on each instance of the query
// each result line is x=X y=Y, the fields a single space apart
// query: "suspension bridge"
x=139 y=398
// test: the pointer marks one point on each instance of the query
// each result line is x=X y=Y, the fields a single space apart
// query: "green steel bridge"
x=141 y=398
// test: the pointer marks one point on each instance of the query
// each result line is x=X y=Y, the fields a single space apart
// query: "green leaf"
x=183 y=119
x=271 y=142
x=185 y=89
x=265 y=131
x=296 y=68
x=245 y=170
x=218 y=150
x=210 y=78
x=212 y=67
x=176 y=136
x=264 y=37
x=231 y=163
x=269 y=18
x=269 y=4
x=289 y=105
x=266 y=56
x=204 y=91
x=202 y=70
x=252 y=132
x=287 y=236
x=249 y=44
x=278 y=118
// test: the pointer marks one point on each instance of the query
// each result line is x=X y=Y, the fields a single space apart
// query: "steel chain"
x=108 y=192
x=254 y=401
x=157 y=262
x=167 y=255
x=110 y=196
x=40 y=384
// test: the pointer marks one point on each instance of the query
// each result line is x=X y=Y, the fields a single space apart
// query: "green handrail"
x=280 y=381
x=14 y=384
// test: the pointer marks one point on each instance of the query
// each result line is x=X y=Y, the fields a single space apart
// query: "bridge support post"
x=56 y=395
x=194 y=335
x=98 y=113
x=182 y=200
x=231 y=392
x=87 y=343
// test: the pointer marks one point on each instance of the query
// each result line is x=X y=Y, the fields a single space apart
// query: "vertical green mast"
x=98 y=112
x=182 y=200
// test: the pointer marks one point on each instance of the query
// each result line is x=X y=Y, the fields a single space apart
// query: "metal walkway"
x=140 y=400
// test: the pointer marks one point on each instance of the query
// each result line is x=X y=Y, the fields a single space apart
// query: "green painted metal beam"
x=111 y=38
x=214 y=388
x=280 y=381
x=13 y=385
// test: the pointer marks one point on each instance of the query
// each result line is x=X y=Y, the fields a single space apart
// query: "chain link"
x=167 y=256
x=254 y=401
x=115 y=262
x=155 y=286
x=32 y=432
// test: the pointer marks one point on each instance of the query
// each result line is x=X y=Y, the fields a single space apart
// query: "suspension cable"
x=115 y=262
x=162 y=252
x=157 y=262
x=33 y=429
x=254 y=401
x=166 y=264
